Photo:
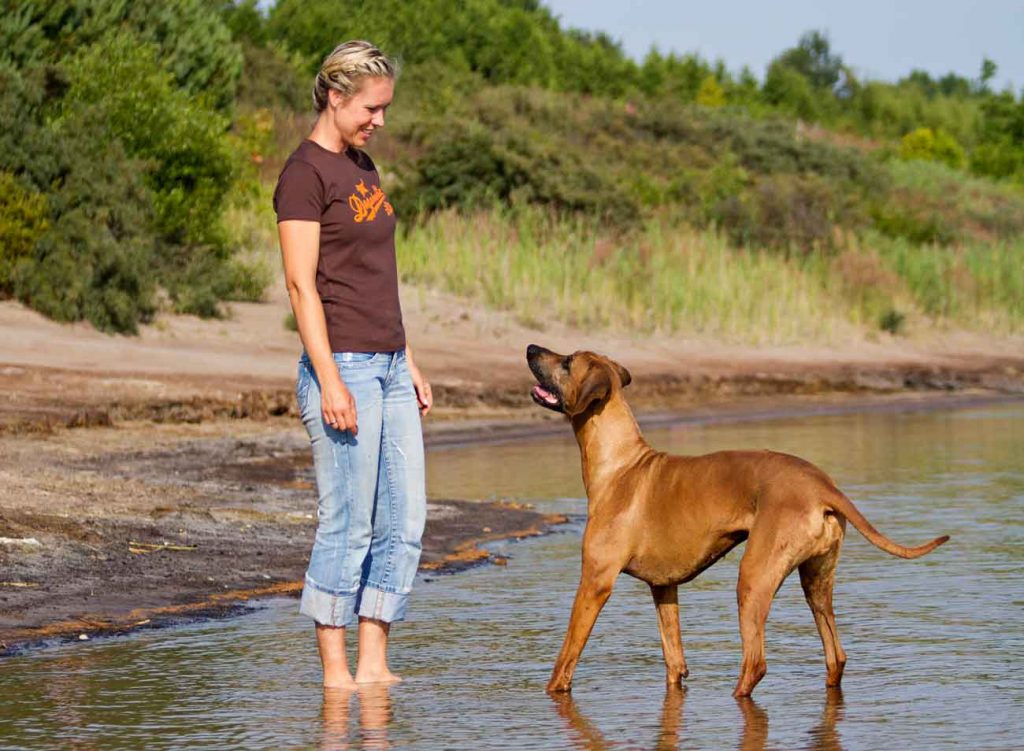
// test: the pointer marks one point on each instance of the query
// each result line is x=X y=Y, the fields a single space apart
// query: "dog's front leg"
x=596 y=584
x=667 y=602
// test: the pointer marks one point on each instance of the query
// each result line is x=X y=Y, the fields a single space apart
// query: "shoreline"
x=114 y=567
x=145 y=480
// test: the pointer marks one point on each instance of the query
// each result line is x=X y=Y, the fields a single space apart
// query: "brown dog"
x=664 y=519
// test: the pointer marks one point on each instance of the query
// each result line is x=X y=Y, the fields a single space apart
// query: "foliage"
x=190 y=40
x=270 y=78
x=813 y=60
x=932 y=146
x=504 y=42
x=931 y=203
x=1000 y=152
x=95 y=260
x=668 y=277
x=191 y=163
x=132 y=168
x=136 y=141
x=24 y=216
x=710 y=93
x=757 y=179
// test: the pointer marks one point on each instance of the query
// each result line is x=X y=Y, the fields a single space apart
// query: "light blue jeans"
x=372 y=497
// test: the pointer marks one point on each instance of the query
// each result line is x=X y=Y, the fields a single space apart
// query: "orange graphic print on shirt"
x=367 y=202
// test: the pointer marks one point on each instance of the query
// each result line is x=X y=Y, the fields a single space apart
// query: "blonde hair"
x=344 y=69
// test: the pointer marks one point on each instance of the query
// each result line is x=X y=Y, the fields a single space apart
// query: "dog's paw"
x=559 y=686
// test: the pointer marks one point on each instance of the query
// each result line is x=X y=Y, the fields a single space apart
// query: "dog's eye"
x=566 y=363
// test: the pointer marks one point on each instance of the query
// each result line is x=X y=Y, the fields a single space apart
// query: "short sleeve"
x=299 y=193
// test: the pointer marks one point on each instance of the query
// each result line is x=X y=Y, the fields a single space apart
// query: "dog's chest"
x=674 y=562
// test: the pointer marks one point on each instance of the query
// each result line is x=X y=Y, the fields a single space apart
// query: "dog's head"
x=574 y=383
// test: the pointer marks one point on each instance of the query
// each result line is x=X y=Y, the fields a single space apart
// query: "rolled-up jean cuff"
x=382 y=606
x=325 y=608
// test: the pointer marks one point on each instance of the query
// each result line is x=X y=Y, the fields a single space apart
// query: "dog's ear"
x=624 y=375
x=596 y=385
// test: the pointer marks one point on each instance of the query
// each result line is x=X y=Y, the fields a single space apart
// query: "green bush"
x=782 y=212
x=191 y=41
x=788 y=90
x=931 y=203
x=191 y=164
x=932 y=146
x=24 y=216
x=272 y=79
x=500 y=150
x=134 y=179
x=96 y=259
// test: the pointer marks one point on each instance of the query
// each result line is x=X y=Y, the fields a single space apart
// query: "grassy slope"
x=737 y=229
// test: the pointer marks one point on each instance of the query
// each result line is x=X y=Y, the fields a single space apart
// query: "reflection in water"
x=671 y=718
x=336 y=703
x=584 y=733
x=68 y=689
x=249 y=683
x=586 y=737
x=374 y=701
x=375 y=714
x=824 y=736
x=755 y=725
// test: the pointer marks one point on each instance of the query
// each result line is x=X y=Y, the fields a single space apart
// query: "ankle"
x=338 y=678
x=375 y=674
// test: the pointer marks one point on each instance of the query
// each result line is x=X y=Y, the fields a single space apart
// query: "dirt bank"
x=109 y=529
x=186 y=370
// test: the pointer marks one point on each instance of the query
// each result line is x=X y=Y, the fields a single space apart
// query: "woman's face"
x=357 y=117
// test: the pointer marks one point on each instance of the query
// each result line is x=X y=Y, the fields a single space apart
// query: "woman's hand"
x=338 y=406
x=423 y=394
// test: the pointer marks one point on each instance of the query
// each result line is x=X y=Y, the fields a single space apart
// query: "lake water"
x=935 y=646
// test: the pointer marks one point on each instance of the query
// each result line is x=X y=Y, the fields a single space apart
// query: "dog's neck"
x=609 y=440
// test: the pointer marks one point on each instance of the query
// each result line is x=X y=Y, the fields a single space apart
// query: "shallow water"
x=934 y=645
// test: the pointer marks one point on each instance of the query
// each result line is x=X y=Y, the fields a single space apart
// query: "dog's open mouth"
x=546 y=398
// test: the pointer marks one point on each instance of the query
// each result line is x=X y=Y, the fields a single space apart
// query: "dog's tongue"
x=547 y=396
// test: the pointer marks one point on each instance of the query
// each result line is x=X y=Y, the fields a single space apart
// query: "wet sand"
x=109 y=529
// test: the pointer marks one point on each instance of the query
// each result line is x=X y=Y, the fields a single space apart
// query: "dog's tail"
x=843 y=505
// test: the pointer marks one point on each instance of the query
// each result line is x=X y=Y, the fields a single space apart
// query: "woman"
x=360 y=394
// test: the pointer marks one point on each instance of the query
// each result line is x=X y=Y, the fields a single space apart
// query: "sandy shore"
x=149 y=479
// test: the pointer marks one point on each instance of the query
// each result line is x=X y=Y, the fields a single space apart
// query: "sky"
x=879 y=39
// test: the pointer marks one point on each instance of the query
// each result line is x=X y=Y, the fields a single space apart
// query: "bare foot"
x=339 y=681
x=376 y=676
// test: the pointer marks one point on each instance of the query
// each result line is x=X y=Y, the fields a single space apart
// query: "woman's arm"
x=423 y=393
x=300 y=250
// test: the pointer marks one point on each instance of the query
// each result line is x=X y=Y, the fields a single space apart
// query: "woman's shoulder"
x=307 y=152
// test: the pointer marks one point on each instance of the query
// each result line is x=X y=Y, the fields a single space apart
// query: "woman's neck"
x=327 y=136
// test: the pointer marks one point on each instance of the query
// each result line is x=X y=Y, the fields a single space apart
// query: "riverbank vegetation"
x=537 y=169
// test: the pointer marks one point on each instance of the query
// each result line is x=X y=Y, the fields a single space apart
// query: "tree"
x=813 y=59
x=988 y=72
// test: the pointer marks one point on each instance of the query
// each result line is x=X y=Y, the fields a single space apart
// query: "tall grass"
x=974 y=285
x=251 y=228
x=546 y=269
x=675 y=279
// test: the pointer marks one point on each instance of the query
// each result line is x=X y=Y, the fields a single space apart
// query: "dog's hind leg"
x=765 y=564
x=817 y=576
x=667 y=602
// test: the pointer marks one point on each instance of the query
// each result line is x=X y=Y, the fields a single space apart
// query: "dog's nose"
x=533 y=350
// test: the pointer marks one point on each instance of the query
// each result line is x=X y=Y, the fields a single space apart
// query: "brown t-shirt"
x=356 y=275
